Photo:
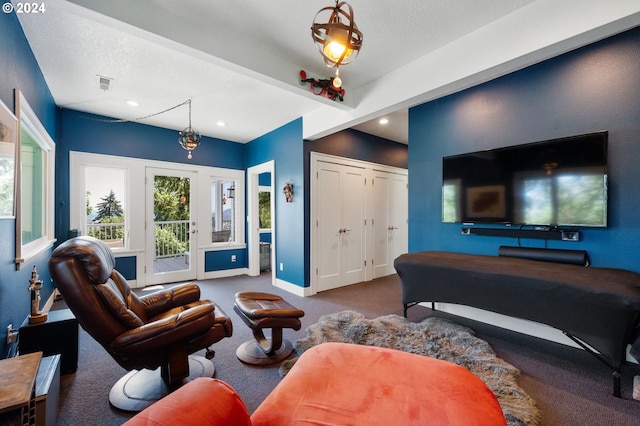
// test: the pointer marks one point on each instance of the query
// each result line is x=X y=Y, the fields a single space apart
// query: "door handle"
x=391 y=228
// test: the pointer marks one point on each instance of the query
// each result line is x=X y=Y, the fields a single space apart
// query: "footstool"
x=260 y=311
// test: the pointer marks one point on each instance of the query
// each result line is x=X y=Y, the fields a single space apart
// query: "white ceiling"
x=239 y=60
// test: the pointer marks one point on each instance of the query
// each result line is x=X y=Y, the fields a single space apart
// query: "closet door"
x=398 y=196
x=339 y=247
x=389 y=221
x=380 y=225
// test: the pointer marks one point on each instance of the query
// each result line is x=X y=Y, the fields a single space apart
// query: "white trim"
x=135 y=172
x=29 y=121
x=293 y=288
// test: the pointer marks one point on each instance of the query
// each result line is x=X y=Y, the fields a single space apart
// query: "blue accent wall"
x=590 y=89
x=221 y=260
x=19 y=70
x=285 y=146
x=264 y=179
x=126 y=265
x=361 y=146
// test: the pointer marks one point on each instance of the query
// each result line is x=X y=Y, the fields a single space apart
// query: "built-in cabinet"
x=358 y=220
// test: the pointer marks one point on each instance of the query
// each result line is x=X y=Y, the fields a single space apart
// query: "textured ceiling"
x=239 y=60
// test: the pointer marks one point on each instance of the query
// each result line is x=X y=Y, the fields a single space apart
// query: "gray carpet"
x=432 y=337
x=570 y=387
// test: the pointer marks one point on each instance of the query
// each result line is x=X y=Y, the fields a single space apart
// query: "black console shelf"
x=552 y=234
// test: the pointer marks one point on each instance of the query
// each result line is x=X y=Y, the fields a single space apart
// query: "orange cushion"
x=340 y=383
x=203 y=401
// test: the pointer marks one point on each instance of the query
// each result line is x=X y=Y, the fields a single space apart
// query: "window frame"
x=29 y=122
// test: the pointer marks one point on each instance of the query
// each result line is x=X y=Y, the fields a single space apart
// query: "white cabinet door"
x=340 y=225
x=380 y=225
x=398 y=202
x=389 y=221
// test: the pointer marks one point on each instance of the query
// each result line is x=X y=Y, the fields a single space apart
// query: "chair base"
x=138 y=389
x=251 y=353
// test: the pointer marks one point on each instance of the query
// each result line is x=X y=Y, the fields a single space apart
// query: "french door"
x=170 y=225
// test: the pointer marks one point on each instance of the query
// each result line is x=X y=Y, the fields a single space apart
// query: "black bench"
x=596 y=306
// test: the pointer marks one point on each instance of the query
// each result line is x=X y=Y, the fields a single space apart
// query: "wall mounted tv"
x=554 y=183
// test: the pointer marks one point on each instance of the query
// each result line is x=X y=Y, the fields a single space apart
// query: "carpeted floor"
x=569 y=386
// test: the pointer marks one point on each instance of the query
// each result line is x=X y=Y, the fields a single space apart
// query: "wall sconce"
x=231 y=192
x=288 y=192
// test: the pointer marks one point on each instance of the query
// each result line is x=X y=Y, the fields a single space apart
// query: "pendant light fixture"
x=338 y=39
x=189 y=138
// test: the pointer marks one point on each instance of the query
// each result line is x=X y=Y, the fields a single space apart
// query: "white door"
x=340 y=230
x=398 y=219
x=389 y=192
x=170 y=227
x=380 y=225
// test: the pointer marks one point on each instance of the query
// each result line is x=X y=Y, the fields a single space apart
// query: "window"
x=106 y=205
x=34 y=200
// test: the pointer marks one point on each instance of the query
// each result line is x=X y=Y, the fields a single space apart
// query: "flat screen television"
x=554 y=183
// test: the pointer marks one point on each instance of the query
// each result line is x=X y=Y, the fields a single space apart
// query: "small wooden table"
x=17 y=389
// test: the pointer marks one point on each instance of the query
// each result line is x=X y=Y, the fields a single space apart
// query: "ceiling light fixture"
x=189 y=138
x=383 y=121
x=339 y=42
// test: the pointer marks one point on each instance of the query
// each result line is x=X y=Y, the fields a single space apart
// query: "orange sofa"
x=341 y=384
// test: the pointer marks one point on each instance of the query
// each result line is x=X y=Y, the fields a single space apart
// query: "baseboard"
x=294 y=289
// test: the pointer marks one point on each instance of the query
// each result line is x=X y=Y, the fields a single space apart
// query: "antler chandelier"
x=189 y=138
x=338 y=40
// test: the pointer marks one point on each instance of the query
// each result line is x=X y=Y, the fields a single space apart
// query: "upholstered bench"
x=340 y=384
x=260 y=311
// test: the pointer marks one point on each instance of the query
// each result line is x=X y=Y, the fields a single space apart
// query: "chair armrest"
x=203 y=401
x=165 y=331
x=163 y=300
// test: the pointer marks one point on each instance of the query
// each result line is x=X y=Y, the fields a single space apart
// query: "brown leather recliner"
x=160 y=329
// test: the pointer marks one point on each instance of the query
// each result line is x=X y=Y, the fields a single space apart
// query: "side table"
x=17 y=393
x=57 y=335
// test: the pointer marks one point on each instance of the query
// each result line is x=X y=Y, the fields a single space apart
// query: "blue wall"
x=285 y=146
x=19 y=70
x=594 y=88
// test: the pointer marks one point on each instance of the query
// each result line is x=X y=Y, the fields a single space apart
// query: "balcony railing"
x=113 y=234
x=172 y=238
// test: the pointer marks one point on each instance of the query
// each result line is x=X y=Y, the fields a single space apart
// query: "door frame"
x=253 y=220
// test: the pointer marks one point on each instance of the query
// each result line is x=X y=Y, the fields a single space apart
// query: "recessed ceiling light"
x=221 y=123
x=383 y=121
x=132 y=103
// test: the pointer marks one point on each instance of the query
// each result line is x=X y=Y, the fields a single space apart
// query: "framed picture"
x=486 y=201
x=8 y=143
